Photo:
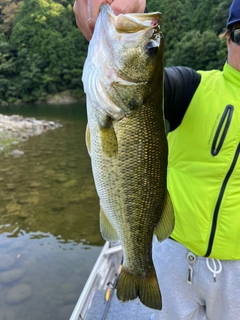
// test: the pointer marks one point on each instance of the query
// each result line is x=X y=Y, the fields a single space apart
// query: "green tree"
x=42 y=51
x=46 y=33
x=175 y=22
x=196 y=50
x=202 y=18
x=220 y=17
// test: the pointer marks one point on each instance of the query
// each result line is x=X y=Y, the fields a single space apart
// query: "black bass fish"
x=126 y=139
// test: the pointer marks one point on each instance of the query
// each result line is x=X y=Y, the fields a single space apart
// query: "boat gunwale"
x=82 y=306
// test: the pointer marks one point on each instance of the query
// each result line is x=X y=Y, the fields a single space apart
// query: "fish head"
x=136 y=47
x=126 y=56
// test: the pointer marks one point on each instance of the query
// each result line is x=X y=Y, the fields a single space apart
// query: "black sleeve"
x=180 y=84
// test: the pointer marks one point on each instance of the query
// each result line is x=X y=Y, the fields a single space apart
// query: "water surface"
x=49 y=230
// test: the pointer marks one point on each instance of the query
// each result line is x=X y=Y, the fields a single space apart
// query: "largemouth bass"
x=126 y=139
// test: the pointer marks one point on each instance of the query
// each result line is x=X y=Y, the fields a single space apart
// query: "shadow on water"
x=49 y=228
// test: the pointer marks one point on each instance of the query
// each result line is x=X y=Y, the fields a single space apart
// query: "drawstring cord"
x=216 y=269
x=191 y=259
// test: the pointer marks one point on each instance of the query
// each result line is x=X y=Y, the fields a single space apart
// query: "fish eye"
x=151 y=48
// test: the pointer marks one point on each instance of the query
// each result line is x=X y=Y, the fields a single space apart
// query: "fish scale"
x=126 y=139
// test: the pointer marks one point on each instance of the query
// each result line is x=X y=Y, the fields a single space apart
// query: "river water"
x=49 y=229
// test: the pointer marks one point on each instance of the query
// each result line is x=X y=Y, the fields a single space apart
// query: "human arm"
x=180 y=84
x=86 y=12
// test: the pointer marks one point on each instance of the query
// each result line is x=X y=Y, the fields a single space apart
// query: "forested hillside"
x=42 y=51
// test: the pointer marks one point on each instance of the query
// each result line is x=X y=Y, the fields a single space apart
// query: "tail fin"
x=130 y=286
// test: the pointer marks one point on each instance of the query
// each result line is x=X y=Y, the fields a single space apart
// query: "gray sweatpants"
x=202 y=298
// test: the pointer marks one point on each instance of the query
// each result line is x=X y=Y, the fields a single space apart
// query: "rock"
x=9 y=173
x=71 y=298
x=19 y=293
x=38 y=131
x=15 y=129
x=58 y=207
x=10 y=276
x=17 y=153
x=35 y=184
x=30 y=263
x=70 y=184
x=3 y=170
x=62 y=164
x=13 y=208
x=10 y=186
x=61 y=98
x=2 y=210
x=10 y=315
x=50 y=172
x=23 y=214
x=17 y=244
x=61 y=179
x=66 y=312
x=23 y=201
x=6 y=262
x=4 y=243
x=75 y=200
x=24 y=137
x=66 y=288
x=72 y=165
x=7 y=197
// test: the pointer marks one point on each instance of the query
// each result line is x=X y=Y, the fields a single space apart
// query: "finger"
x=81 y=16
x=123 y=6
x=93 y=7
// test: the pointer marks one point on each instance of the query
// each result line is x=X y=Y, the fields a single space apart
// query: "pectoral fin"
x=166 y=222
x=87 y=139
x=107 y=230
x=108 y=139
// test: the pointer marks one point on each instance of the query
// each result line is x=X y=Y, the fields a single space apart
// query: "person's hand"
x=86 y=12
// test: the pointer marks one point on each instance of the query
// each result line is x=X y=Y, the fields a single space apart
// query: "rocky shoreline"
x=64 y=97
x=16 y=128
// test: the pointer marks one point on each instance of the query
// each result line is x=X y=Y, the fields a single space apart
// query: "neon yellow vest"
x=204 y=168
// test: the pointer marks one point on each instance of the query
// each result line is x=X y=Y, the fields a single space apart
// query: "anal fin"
x=107 y=230
x=87 y=139
x=167 y=219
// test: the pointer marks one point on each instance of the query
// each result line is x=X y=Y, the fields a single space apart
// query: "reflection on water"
x=48 y=218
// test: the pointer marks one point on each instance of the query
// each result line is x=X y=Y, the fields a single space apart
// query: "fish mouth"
x=127 y=82
x=131 y=23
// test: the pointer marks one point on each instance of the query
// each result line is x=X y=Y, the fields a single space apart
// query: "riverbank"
x=64 y=97
x=15 y=129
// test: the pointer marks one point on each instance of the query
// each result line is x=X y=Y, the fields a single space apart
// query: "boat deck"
x=133 y=310
x=92 y=305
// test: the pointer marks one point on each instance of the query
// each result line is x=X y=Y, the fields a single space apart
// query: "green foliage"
x=204 y=10
x=175 y=16
x=49 y=52
x=42 y=51
x=221 y=16
x=191 y=29
x=197 y=50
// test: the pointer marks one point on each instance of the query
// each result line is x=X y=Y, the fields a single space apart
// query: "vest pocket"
x=222 y=130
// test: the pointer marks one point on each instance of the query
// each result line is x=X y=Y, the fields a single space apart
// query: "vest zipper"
x=219 y=200
x=222 y=129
